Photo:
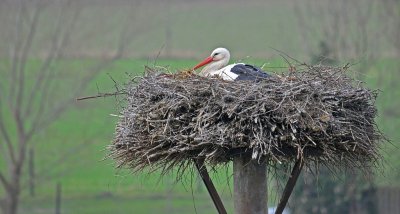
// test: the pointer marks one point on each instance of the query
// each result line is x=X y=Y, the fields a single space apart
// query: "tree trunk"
x=250 y=186
x=2 y=206
x=11 y=203
x=13 y=188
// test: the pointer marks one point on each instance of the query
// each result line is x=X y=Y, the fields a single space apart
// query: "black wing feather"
x=249 y=72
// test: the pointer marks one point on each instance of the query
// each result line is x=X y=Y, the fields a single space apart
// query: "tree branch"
x=59 y=110
x=303 y=27
x=3 y=179
x=55 y=52
x=6 y=136
x=7 y=141
x=22 y=63
x=55 y=113
x=4 y=182
x=14 y=55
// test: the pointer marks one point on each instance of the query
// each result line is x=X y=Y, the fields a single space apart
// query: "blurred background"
x=53 y=148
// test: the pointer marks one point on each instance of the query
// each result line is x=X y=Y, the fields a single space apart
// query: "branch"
x=304 y=28
x=39 y=124
x=44 y=79
x=4 y=182
x=55 y=113
x=14 y=57
x=7 y=140
x=22 y=63
x=54 y=53
x=6 y=136
x=3 y=179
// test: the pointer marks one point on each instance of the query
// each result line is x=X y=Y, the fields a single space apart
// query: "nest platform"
x=317 y=113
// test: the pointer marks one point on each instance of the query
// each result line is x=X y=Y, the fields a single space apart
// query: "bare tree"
x=391 y=23
x=350 y=29
x=29 y=101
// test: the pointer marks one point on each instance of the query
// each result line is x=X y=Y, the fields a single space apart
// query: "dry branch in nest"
x=318 y=114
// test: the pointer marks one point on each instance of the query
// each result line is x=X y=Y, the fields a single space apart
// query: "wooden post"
x=298 y=166
x=31 y=173
x=58 y=198
x=250 y=186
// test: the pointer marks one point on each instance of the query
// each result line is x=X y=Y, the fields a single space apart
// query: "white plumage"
x=216 y=65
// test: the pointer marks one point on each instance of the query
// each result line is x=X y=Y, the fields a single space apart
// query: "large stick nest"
x=319 y=114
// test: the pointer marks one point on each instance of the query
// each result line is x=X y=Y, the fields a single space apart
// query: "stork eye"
x=216 y=54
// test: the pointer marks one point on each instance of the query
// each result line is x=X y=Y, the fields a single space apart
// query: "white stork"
x=217 y=65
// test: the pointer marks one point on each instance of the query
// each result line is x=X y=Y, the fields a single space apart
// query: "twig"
x=100 y=95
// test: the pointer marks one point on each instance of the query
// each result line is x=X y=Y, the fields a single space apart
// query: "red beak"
x=203 y=63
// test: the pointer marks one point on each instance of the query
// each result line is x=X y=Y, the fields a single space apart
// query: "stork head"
x=217 y=60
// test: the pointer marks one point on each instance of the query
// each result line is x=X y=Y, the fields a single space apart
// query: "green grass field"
x=72 y=151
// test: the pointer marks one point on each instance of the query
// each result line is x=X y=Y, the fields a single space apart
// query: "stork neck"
x=214 y=66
